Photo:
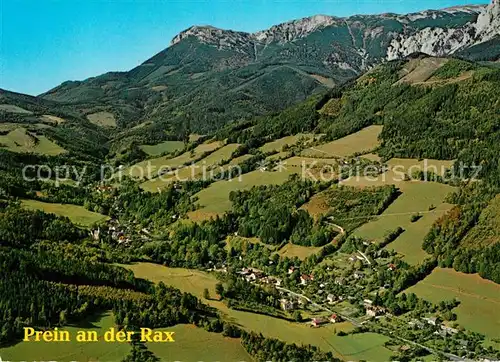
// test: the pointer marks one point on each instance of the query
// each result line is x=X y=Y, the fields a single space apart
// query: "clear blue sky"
x=45 y=42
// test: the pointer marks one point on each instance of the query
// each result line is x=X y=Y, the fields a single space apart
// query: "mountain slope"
x=209 y=77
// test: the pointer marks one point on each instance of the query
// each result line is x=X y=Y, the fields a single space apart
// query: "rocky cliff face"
x=440 y=41
x=355 y=43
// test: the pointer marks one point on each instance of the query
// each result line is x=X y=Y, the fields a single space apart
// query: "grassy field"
x=104 y=119
x=53 y=119
x=416 y=197
x=364 y=140
x=141 y=169
x=14 y=109
x=214 y=200
x=277 y=145
x=479 y=309
x=364 y=346
x=301 y=252
x=73 y=350
x=191 y=344
x=204 y=165
x=195 y=344
x=77 y=214
x=164 y=147
x=232 y=240
x=19 y=140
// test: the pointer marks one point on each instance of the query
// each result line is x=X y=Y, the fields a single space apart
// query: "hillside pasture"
x=206 y=166
x=103 y=119
x=14 y=109
x=416 y=198
x=479 y=308
x=73 y=350
x=196 y=344
x=364 y=140
x=77 y=214
x=164 y=147
x=52 y=119
x=153 y=166
x=361 y=346
x=21 y=141
x=214 y=200
x=299 y=251
x=277 y=145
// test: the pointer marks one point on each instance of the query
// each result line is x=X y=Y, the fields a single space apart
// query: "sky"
x=46 y=42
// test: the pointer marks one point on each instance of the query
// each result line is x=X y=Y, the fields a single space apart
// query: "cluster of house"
x=115 y=230
x=373 y=310
x=433 y=321
x=258 y=276
x=334 y=318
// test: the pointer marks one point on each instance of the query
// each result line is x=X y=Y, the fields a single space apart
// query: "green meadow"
x=21 y=141
x=479 y=308
x=77 y=214
x=164 y=147
x=72 y=350
x=364 y=140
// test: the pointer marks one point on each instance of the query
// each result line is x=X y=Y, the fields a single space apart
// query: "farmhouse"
x=286 y=304
x=335 y=318
x=316 y=322
x=375 y=311
x=305 y=278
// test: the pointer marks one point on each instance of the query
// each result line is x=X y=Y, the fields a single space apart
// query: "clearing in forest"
x=77 y=214
x=479 y=308
x=364 y=140
x=277 y=145
x=204 y=168
x=423 y=198
x=302 y=252
x=21 y=141
x=140 y=170
x=14 y=109
x=103 y=119
x=418 y=197
x=164 y=147
x=214 y=200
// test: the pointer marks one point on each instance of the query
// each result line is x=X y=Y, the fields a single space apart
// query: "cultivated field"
x=77 y=214
x=21 y=141
x=277 y=145
x=164 y=147
x=479 y=309
x=103 y=119
x=363 y=346
x=73 y=350
x=196 y=344
x=362 y=141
